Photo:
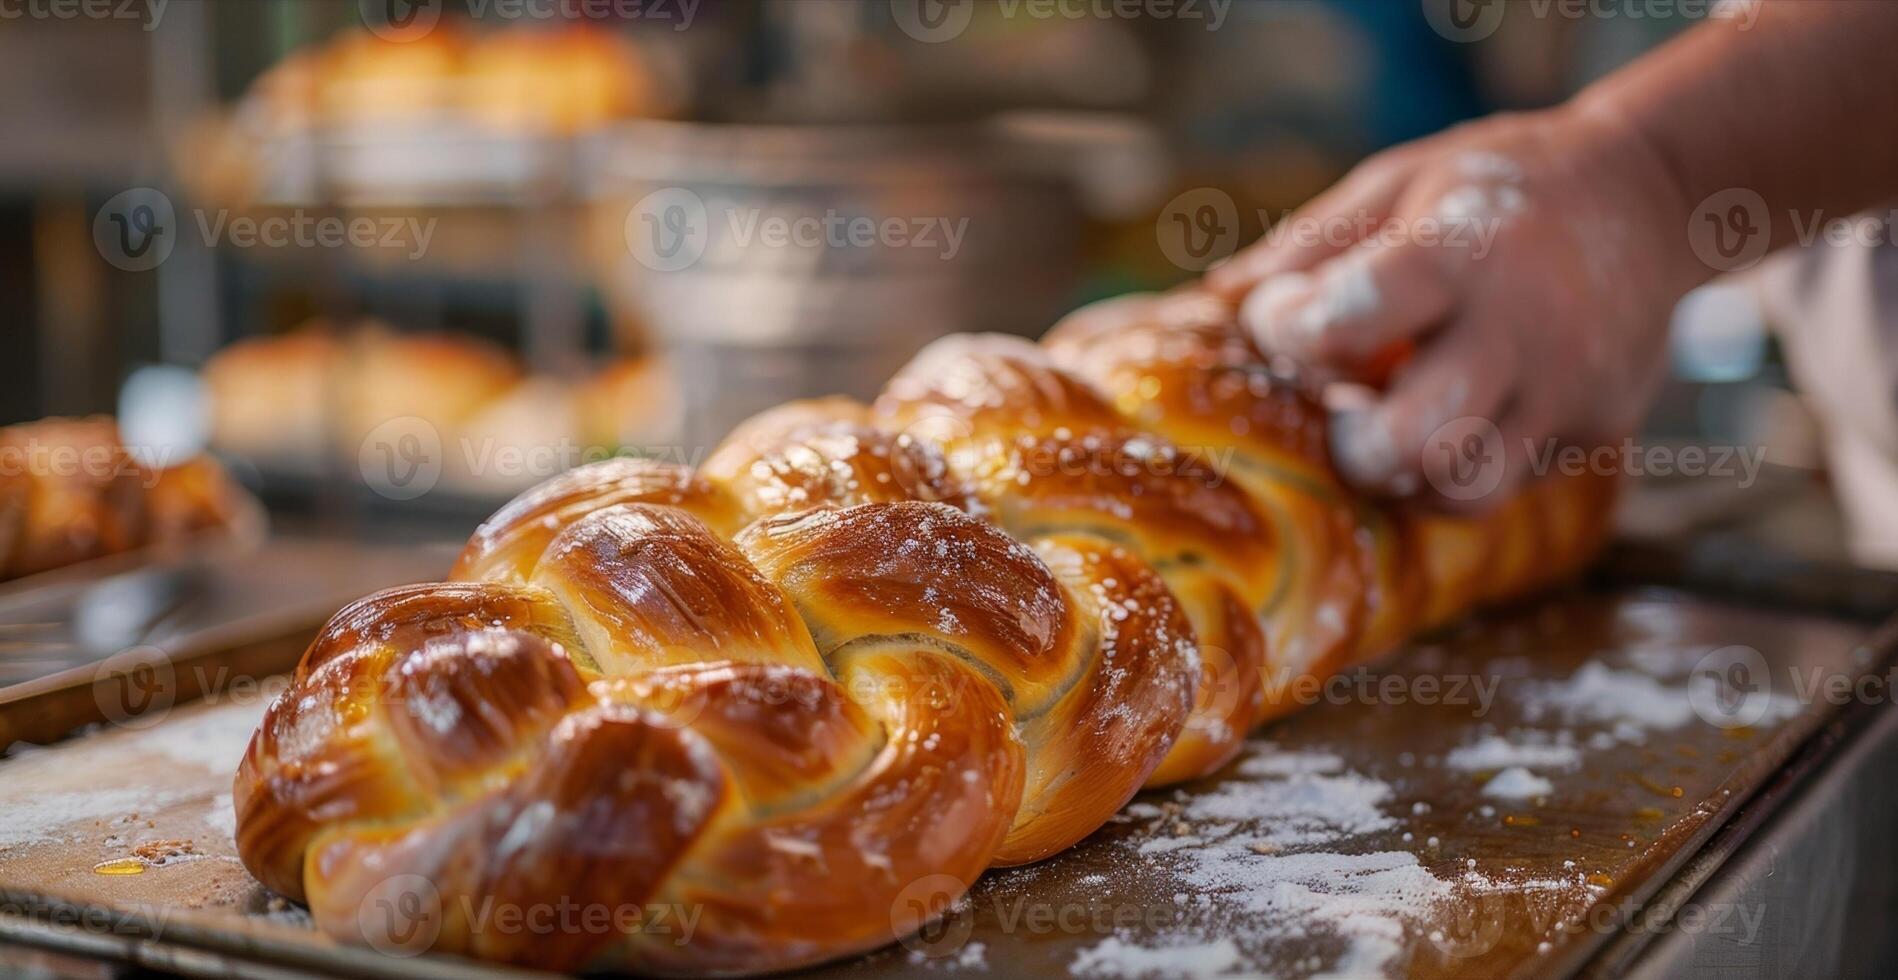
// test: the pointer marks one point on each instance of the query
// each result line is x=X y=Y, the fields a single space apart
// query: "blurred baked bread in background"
x=71 y=490
x=561 y=81
x=307 y=401
x=519 y=79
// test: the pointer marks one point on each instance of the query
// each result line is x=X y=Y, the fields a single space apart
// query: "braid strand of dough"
x=815 y=688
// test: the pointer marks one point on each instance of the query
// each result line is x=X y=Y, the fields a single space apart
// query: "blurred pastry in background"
x=564 y=81
x=70 y=490
x=75 y=494
x=271 y=397
x=362 y=77
x=443 y=379
x=193 y=497
x=629 y=404
x=314 y=111
x=307 y=401
x=293 y=400
x=521 y=79
x=517 y=440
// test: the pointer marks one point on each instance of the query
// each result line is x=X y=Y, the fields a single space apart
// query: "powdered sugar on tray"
x=1632 y=700
x=221 y=817
x=1298 y=850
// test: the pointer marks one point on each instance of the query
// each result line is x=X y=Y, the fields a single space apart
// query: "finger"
x=1326 y=225
x=1352 y=308
x=1101 y=317
x=1462 y=376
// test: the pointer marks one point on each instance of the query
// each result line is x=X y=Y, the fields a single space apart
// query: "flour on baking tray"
x=1266 y=871
x=67 y=791
x=1525 y=749
x=214 y=738
x=1280 y=854
x=1298 y=856
x=1632 y=700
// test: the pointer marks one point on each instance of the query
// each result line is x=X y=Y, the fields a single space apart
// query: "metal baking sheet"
x=102 y=644
x=1362 y=836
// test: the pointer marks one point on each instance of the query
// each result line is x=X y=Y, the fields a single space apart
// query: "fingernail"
x=1362 y=448
x=1273 y=305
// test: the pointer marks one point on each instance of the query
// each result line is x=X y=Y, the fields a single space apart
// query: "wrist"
x=1640 y=172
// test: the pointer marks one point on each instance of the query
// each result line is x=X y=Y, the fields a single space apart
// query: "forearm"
x=1799 y=109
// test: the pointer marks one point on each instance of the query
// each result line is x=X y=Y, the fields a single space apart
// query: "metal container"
x=777 y=262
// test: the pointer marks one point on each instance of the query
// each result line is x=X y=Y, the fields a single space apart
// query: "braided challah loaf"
x=861 y=648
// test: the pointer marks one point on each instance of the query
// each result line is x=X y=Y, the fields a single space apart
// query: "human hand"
x=1507 y=281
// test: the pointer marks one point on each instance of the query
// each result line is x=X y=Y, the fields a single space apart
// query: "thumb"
x=1352 y=308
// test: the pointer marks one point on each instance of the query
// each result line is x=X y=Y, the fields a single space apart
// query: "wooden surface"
x=1417 y=870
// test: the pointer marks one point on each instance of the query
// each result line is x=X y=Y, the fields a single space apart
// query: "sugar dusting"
x=1632 y=701
x=1347 y=290
x=1294 y=309
x=221 y=817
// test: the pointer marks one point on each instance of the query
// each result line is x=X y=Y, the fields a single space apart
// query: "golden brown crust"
x=827 y=451
x=508 y=545
x=811 y=691
x=652 y=586
x=1177 y=364
x=1042 y=453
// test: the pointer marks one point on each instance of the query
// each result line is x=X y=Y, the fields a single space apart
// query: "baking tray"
x=1362 y=836
x=115 y=639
